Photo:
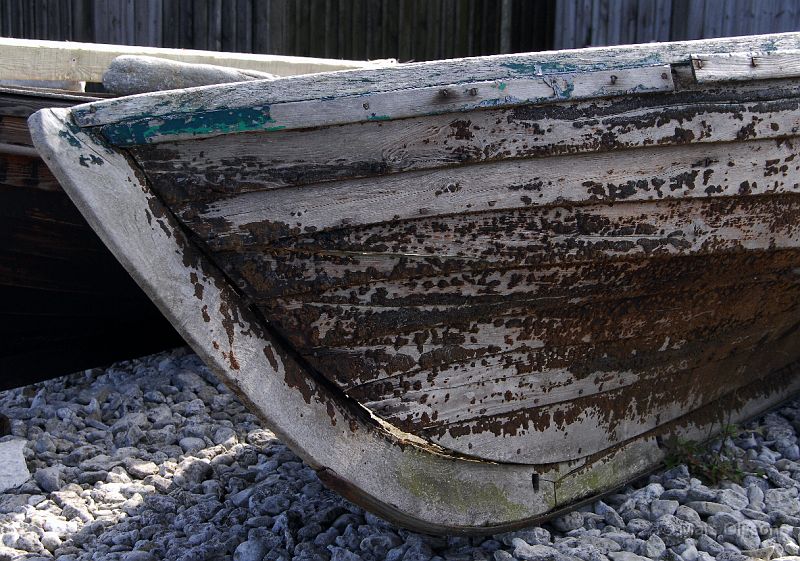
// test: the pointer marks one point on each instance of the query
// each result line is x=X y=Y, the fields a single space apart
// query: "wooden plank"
x=148 y=17
x=244 y=26
x=372 y=28
x=344 y=34
x=278 y=26
x=229 y=97
x=630 y=15
x=461 y=40
x=646 y=21
x=316 y=27
x=614 y=36
x=386 y=106
x=302 y=22
x=432 y=15
x=646 y=174
x=210 y=169
x=505 y=26
x=330 y=32
x=600 y=23
x=200 y=28
x=521 y=321
x=261 y=26
x=316 y=424
x=382 y=265
x=228 y=26
x=215 y=25
x=51 y=60
x=723 y=67
x=712 y=20
x=588 y=417
x=663 y=14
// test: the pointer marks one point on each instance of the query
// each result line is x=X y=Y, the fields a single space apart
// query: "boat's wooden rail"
x=27 y=59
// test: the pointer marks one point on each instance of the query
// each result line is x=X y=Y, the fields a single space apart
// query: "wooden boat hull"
x=66 y=303
x=470 y=309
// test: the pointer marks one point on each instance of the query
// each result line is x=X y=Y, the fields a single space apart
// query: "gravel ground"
x=155 y=459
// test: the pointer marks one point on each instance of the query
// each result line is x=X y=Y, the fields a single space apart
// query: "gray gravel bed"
x=155 y=459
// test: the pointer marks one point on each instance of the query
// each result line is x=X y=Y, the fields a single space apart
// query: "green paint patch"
x=502 y=86
x=142 y=130
x=375 y=117
x=545 y=67
x=69 y=138
x=464 y=496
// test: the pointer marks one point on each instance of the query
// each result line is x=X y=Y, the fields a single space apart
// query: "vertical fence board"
x=277 y=27
x=199 y=23
x=244 y=26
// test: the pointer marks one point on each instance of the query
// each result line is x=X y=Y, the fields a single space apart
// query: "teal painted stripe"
x=142 y=130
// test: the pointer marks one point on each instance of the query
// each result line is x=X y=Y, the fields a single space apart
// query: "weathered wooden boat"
x=470 y=293
x=65 y=302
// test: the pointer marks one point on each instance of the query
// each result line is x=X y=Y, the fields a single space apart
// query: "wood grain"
x=725 y=67
x=206 y=169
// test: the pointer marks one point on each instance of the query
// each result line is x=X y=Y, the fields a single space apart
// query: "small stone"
x=721 y=521
x=732 y=499
x=610 y=515
x=191 y=444
x=140 y=468
x=626 y=556
x=501 y=555
x=707 y=508
x=225 y=436
x=49 y=478
x=264 y=502
x=138 y=556
x=791 y=452
x=659 y=508
x=744 y=534
x=654 y=547
x=72 y=511
x=568 y=522
x=755 y=514
x=523 y=550
x=340 y=554
x=13 y=469
x=707 y=544
x=50 y=541
x=699 y=492
x=765 y=553
x=690 y=554
x=532 y=536
x=673 y=530
x=250 y=550
x=192 y=471
x=780 y=480
x=782 y=500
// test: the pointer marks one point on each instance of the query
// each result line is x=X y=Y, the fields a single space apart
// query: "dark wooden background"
x=403 y=29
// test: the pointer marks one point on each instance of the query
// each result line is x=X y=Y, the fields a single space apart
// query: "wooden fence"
x=403 y=29
x=352 y=29
x=583 y=23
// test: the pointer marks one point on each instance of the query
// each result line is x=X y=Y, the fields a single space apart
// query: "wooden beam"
x=388 y=106
x=724 y=67
x=53 y=60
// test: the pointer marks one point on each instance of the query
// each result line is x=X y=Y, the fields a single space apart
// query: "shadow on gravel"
x=155 y=459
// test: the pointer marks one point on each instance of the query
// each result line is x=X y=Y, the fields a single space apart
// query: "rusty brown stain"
x=386 y=312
